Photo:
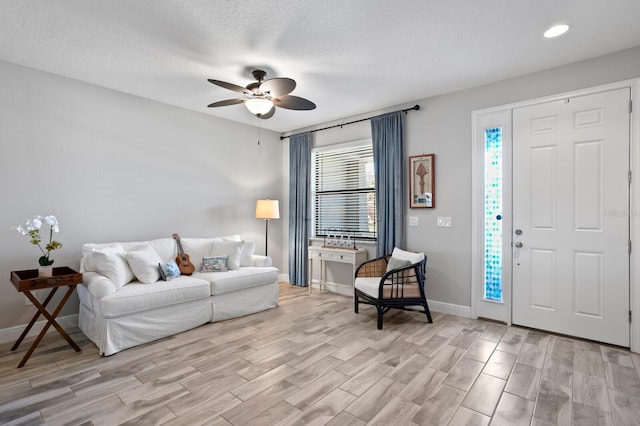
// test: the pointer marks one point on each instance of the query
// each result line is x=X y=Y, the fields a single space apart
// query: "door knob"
x=518 y=244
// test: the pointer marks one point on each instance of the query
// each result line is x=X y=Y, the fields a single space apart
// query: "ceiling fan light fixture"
x=258 y=106
x=263 y=96
x=556 y=30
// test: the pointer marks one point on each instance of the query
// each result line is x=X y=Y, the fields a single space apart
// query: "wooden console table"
x=330 y=254
x=28 y=280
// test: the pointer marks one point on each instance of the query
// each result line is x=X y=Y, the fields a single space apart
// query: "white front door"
x=571 y=216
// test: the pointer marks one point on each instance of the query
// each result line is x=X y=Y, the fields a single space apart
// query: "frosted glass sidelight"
x=492 y=214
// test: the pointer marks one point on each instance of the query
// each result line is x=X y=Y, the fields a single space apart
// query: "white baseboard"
x=434 y=305
x=343 y=289
x=283 y=278
x=11 y=334
x=449 y=308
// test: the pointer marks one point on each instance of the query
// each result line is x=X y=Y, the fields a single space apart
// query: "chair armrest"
x=373 y=268
x=261 y=261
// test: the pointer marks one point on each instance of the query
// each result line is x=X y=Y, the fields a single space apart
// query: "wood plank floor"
x=313 y=361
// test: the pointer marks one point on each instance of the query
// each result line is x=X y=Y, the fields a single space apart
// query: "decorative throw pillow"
x=111 y=262
x=169 y=270
x=246 y=256
x=231 y=249
x=214 y=264
x=395 y=263
x=407 y=255
x=87 y=254
x=197 y=248
x=143 y=261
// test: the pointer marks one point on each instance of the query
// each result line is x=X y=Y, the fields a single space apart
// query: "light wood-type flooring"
x=313 y=361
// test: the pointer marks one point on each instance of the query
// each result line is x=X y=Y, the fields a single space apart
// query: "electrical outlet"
x=444 y=221
x=413 y=220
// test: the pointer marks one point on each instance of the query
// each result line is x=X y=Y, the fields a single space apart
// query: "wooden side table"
x=332 y=254
x=28 y=280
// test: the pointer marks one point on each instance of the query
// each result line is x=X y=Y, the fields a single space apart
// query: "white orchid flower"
x=53 y=222
x=32 y=227
x=22 y=229
x=35 y=223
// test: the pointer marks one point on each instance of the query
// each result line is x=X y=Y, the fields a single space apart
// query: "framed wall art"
x=421 y=181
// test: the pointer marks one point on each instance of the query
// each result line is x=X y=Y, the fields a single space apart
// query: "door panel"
x=571 y=201
x=543 y=187
x=589 y=186
x=543 y=272
x=588 y=284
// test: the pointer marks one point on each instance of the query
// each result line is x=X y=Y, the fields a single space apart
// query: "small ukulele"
x=182 y=259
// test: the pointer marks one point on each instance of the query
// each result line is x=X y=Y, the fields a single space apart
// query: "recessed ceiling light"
x=556 y=30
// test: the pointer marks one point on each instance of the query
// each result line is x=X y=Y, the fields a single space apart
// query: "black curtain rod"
x=413 y=108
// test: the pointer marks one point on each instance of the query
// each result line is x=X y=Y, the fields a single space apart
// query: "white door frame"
x=477 y=176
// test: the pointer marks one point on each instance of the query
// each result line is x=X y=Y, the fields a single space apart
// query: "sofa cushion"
x=169 y=270
x=88 y=263
x=214 y=264
x=165 y=247
x=136 y=297
x=197 y=249
x=112 y=263
x=242 y=278
x=231 y=249
x=246 y=256
x=144 y=262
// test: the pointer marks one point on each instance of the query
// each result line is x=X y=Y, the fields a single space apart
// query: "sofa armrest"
x=98 y=285
x=261 y=261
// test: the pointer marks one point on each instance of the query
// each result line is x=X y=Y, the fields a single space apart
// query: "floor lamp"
x=267 y=209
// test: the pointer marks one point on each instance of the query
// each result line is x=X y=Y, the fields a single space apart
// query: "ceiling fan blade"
x=229 y=86
x=268 y=114
x=226 y=102
x=278 y=86
x=293 y=102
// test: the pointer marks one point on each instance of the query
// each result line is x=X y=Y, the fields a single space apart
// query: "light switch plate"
x=413 y=220
x=444 y=221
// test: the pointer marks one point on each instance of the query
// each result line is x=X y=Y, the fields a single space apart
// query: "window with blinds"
x=344 y=199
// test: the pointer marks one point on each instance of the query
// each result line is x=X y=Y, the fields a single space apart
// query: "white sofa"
x=125 y=303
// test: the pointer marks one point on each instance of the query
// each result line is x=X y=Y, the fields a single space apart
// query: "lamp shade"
x=267 y=209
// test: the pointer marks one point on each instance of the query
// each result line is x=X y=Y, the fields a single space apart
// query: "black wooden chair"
x=397 y=288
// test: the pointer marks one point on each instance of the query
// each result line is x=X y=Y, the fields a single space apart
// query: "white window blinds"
x=344 y=191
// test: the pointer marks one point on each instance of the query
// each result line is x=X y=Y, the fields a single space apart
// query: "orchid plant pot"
x=45 y=271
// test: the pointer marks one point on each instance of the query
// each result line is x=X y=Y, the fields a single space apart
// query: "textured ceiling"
x=349 y=57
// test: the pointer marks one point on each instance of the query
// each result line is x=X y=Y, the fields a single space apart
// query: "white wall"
x=443 y=127
x=115 y=167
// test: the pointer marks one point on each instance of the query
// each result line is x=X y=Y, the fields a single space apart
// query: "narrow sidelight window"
x=493 y=214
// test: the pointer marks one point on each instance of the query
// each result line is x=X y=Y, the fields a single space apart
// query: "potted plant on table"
x=31 y=227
